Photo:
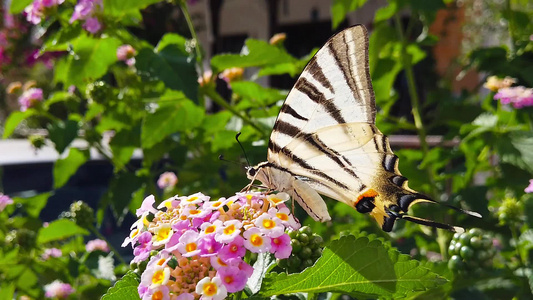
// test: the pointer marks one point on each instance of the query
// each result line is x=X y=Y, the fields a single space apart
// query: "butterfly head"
x=259 y=172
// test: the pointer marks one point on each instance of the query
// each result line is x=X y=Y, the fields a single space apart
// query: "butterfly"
x=325 y=141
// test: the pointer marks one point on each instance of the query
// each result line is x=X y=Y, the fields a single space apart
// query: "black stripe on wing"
x=303 y=85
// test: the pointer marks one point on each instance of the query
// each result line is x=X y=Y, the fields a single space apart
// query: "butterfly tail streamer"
x=431 y=223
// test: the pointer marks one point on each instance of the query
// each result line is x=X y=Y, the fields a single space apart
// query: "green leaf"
x=7 y=289
x=171 y=65
x=124 y=289
x=62 y=133
x=122 y=188
x=261 y=266
x=386 y=12
x=59 y=230
x=14 y=119
x=66 y=167
x=169 y=118
x=259 y=53
x=89 y=60
x=123 y=144
x=260 y=95
x=340 y=8
x=515 y=148
x=363 y=267
x=18 y=6
x=120 y=8
x=172 y=39
x=34 y=205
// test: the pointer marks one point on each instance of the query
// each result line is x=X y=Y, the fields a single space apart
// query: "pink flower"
x=161 y=292
x=208 y=246
x=281 y=246
x=85 y=8
x=58 y=289
x=232 y=278
x=211 y=289
x=97 y=244
x=517 y=96
x=51 y=252
x=529 y=189
x=271 y=226
x=126 y=53
x=188 y=244
x=4 y=201
x=233 y=250
x=228 y=232
x=30 y=97
x=142 y=251
x=92 y=25
x=256 y=241
x=246 y=268
x=147 y=206
x=36 y=10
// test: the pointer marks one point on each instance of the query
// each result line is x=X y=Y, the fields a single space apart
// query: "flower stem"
x=211 y=93
x=199 y=54
x=100 y=236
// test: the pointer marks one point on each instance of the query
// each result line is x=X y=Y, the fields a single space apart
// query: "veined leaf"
x=340 y=8
x=363 y=267
x=66 y=167
x=170 y=65
x=14 y=120
x=169 y=118
x=89 y=60
x=124 y=289
x=59 y=230
x=260 y=53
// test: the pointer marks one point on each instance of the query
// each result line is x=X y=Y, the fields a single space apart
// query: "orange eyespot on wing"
x=370 y=193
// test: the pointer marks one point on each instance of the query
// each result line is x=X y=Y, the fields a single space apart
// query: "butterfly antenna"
x=221 y=157
x=242 y=148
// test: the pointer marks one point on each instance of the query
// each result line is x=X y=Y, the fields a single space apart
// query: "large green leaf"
x=119 y=8
x=122 y=189
x=363 y=267
x=59 y=230
x=169 y=118
x=257 y=95
x=259 y=53
x=171 y=65
x=340 y=8
x=66 y=167
x=14 y=119
x=62 y=133
x=89 y=60
x=33 y=205
x=124 y=289
x=516 y=148
x=18 y=6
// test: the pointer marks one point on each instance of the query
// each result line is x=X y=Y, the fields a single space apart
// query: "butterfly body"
x=325 y=141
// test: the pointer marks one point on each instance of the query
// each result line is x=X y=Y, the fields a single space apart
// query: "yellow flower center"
x=269 y=224
x=210 y=289
x=282 y=216
x=256 y=240
x=233 y=248
x=276 y=241
x=157 y=295
x=194 y=211
x=158 y=277
x=163 y=233
x=192 y=199
x=228 y=279
x=221 y=262
x=249 y=197
x=190 y=247
x=229 y=230
x=161 y=261
x=217 y=204
x=210 y=229
x=134 y=233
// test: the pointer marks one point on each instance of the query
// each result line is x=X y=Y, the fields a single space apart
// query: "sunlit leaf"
x=59 y=230
x=14 y=119
x=362 y=267
x=340 y=8
x=124 y=289
x=66 y=167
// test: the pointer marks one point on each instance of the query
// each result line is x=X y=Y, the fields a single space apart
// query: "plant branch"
x=211 y=93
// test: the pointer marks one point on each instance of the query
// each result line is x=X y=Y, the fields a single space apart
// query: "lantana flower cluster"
x=517 y=96
x=201 y=245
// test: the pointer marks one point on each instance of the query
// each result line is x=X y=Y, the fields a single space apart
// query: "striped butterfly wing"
x=325 y=133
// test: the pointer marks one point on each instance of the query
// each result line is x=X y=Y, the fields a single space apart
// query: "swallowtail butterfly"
x=325 y=141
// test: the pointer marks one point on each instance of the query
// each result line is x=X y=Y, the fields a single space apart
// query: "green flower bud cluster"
x=510 y=211
x=81 y=213
x=470 y=251
x=98 y=91
x=37 y=141
x=306 y=249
